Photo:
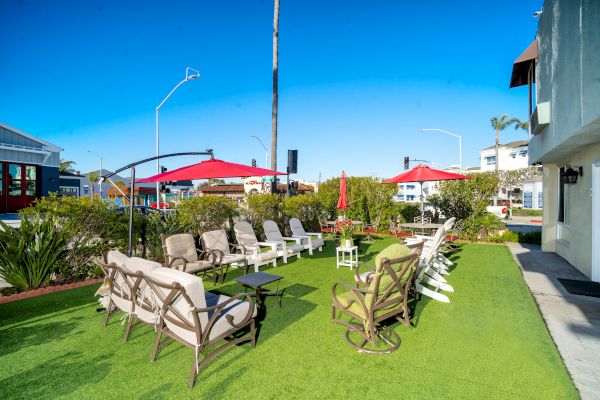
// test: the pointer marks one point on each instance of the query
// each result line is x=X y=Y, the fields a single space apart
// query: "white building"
x=409 y=192
x=512 y=156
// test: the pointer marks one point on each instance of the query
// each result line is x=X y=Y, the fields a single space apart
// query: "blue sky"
x=358 y=79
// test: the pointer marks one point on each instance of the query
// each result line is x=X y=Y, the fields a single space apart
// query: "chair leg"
x=108 y=308
x=193 y=371
x=129 y=323
x=156 y=346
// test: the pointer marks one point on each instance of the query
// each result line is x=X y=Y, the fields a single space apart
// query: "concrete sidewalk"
x=573 y=321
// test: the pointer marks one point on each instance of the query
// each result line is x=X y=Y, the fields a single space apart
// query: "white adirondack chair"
x=309 y=240
x=251 y=247
x=284 y=249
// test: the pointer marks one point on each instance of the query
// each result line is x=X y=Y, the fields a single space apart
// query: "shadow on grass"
x=57 y=377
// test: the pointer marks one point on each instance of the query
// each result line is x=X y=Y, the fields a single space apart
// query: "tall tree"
x=275 y=86
x=500 y=124
x=65 y=165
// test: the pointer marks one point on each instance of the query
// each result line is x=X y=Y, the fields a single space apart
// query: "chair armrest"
x=319 y=234
x=218 y=308
x=359 y=295
x=173 y=259
x=293 y=239
x=272 y=245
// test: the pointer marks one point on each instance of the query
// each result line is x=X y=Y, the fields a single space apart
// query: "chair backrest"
x=449 y=223
x=394 y=270
x=179 y=245
x=216 y=240
x=272 y=231
x=116 y=276
x=432 y=250
x=145 y=304
x=179 y=294
x=244 y=234
x=296 y=227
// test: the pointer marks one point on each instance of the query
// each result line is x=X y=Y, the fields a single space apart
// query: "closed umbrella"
x=342 y=204
x=423 y=173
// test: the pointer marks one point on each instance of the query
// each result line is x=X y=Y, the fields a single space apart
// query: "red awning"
x=211 y=169
x=423 y=173
x=522 y=66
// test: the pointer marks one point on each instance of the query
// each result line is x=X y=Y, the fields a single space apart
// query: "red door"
x=20 y=188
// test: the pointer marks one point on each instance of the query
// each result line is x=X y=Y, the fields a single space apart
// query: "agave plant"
x=31 y=253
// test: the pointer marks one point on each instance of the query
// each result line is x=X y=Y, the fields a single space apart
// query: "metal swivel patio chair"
x=384 y=296
x=181 y=253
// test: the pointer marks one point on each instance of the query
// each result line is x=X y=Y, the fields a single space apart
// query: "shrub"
x=261 y=207
x=506 y=236
x=162 y=224
x=31 y=253
x=407 y=212
x=468 y=197
x=530 y=237
x=306 y=207
x=369 y=200
x=206 y=213
x=91 y=226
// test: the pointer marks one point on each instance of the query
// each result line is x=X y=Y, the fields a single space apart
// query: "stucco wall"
x=567 y=73
x=577 y=247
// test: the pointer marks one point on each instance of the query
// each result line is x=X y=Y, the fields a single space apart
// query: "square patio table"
x=257 y=280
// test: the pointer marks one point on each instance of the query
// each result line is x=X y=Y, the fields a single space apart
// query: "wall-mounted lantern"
x=571 y=174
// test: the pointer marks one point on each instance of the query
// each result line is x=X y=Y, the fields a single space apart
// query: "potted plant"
x=346 y=236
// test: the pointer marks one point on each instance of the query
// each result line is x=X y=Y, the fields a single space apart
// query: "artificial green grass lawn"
x=489 y=342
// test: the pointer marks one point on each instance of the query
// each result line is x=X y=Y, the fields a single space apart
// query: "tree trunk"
x=275 y=87
x=497 y=148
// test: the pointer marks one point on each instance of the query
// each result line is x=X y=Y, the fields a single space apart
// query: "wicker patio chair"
x=310 y=241
x=181 y=253
x=252 y=248
x=197 y=319
x=284 y=249
x=385 y=296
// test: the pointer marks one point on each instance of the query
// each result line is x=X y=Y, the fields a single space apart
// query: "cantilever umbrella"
x=211 y=169
x=423 y=173
x=343 y=200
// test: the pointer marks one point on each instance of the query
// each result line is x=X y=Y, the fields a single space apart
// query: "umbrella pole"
x=131 y=200
x=422 y=209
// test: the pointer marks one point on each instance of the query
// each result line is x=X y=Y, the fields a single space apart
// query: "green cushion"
x=396 y=250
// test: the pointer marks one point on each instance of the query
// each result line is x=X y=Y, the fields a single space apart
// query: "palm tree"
x=500 y=124
x=93 y=177
x=275 y=86
x=66 y=166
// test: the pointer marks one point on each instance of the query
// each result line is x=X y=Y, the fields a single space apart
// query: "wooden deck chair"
x=181 y=253
x=284 y=249
x=310 y=241
x=385 y=296
x=205 y=322
x=252 y=248
x=226 y=253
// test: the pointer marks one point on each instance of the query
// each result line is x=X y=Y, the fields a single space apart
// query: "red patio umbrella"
x=343 y=200
x=423 y=173
x=210 y=169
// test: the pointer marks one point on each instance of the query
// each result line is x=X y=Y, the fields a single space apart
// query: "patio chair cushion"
x=237 y=309
x=317 y=242
x=267 y=255
x=181 y=245
x=244 y=234
x=294 y=248
x=135 y=264
x=116 y=257
x=194 y=288
x=194 y=266
x=232 y=258
x=296 y=227
x=216 y=240
x=272 y=231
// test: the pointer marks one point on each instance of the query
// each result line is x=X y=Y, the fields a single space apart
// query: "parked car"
x=146 y=210
x=498 y=211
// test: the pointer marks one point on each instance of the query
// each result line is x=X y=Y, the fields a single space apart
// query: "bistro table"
x=417 y=226
x=257 y=280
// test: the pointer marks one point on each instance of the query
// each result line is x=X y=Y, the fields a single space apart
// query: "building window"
x=491 y=160
x=68 y=191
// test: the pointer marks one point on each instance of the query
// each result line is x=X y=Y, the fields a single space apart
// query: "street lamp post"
x=459 y=143
x=266 y=151
x=190 y=74
x=100 y=157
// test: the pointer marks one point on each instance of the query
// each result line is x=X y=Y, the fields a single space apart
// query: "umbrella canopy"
x=423 y=173
x=343 y=200
x=211 y=169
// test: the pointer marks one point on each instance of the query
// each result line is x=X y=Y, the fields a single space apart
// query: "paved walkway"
x=573 y=320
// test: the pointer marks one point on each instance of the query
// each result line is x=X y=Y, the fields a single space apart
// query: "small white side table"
x=346 y=256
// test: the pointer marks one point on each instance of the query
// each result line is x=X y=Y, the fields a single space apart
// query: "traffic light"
x=163 y=169
x=254 y=163
x=406 y=162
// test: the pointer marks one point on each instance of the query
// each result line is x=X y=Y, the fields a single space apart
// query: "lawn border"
x=49 y=289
